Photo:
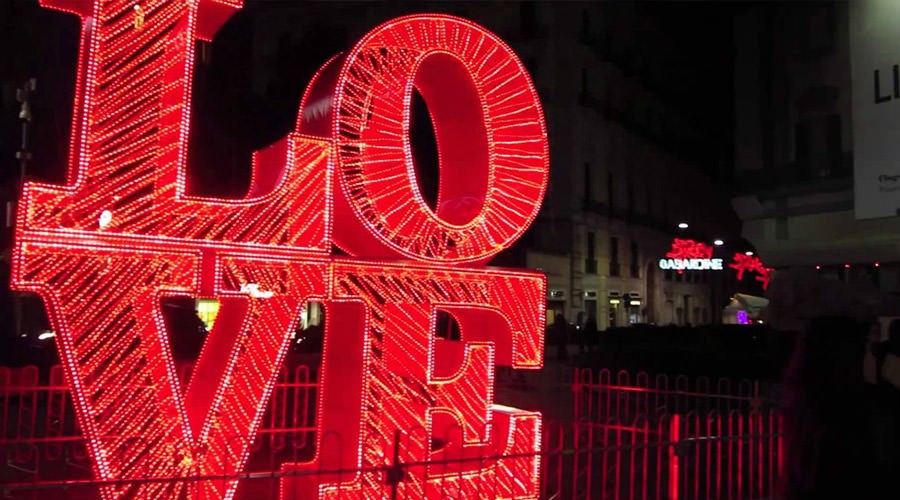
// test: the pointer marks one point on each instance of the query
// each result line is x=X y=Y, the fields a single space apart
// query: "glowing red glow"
x=742 y=262
x=689 y=249
x=489 y=128
x=124 y=232
x=748 y=263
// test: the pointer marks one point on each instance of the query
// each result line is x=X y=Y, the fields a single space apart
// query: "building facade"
x=794 y=145
x=626 y=170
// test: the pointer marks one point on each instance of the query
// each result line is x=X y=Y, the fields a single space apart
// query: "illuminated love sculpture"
x=124 y=233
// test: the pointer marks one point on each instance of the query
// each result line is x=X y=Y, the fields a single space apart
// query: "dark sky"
x=698 y=62
x=693 y=75
x=41 y=43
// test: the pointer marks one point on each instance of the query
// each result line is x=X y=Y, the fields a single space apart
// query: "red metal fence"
x=601 y=395
x=695 y=456
x=635 y=437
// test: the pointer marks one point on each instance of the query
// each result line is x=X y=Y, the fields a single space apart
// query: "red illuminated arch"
x=490 y=131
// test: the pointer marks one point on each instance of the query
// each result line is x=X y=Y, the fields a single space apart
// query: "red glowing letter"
x=124 y=233
x=422 y=398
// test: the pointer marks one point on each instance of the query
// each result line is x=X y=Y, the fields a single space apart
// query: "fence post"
x=395 y=472
x=674 y=456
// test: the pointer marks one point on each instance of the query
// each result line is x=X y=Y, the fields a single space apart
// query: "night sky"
x=692 y=74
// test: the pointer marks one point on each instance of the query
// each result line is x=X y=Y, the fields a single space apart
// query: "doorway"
x=554 y=307
x=590 y=308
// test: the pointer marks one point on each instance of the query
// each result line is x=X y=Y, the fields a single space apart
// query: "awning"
x=749 y=303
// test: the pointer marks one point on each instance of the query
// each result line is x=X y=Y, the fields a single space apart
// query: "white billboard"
x=875 y=76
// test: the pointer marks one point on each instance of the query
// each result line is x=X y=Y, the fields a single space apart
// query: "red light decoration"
x=750 y=263
x=489 y=128
x=124 y=232
x=689 y=249
x=431 y=390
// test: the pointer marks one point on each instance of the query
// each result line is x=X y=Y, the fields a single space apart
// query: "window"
x=610 y=193
x=588 y=195
x=630 y=197
x=590 y=263
x=614 y=256
x=635 y=268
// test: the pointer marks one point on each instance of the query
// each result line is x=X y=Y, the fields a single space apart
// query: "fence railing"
x=42 y=413
x=601 y=395
x=707 y=456
x=635 y=437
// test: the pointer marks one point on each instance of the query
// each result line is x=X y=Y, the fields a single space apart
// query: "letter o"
x=490 y=131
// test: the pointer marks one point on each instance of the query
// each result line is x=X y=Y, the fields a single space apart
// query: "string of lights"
x=124 y=233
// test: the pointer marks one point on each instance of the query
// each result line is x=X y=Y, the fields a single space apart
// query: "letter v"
x=146 y=438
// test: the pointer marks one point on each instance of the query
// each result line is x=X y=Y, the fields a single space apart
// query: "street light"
x=682 y=225
x=748 y=252
x=718 y=243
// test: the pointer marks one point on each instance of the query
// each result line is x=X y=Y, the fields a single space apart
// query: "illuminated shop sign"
x=125 y=232
x=691 y=264
x=751 y=264
x=690 y=255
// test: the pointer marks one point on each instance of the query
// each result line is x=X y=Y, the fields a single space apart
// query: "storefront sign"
x=750 y=263
x=690 y=255
x=691 y=264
